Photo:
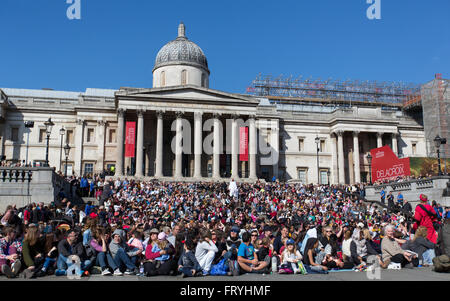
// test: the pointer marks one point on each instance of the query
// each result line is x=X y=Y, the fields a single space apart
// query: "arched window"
x=183 y=77
x=163 y=78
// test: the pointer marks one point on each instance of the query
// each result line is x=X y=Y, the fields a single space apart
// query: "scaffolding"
x=330 y=90
x=435 y=100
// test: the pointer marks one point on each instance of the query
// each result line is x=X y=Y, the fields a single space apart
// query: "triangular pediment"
x=186 y=93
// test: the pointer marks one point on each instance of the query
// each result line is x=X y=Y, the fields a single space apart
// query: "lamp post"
x=369 y=159
x=317 y=140
x=66 y=152
x=48 y=129
x=437 y=143
x=28 y=125
x=62 y=132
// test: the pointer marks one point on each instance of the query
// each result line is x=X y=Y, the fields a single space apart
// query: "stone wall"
x=24 y=185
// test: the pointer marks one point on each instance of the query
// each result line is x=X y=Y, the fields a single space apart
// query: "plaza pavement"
x=416 y=274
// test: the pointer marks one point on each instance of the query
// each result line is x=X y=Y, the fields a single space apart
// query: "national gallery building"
x=183 y=130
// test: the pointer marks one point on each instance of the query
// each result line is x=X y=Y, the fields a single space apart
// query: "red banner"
x=130 y=139
x=386 y=165
x=243 y=143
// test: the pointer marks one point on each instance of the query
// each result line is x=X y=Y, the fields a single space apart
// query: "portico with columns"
x=181 y=149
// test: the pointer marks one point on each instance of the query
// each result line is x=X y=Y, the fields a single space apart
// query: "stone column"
x=101 y=127
x=235 y=147
x=334 y=166
x=379 y=139
x=394 y=143
x=178 y=146
x=275 y=144
x=341 y=157
x=216 y=147
x=198 y=144
x=356 y=157
x=252 y=147
x=120 y=141
x=140 y=144
x=79 y=139
x=159 y=145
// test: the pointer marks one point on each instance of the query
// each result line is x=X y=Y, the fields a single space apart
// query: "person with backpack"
x=424 y=216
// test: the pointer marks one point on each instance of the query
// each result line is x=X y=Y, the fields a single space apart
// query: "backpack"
x=220 y=269
x=441 y=264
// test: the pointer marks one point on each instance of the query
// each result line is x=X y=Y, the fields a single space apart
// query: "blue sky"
x=116 y=41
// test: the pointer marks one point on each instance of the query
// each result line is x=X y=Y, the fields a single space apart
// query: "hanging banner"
x=243 y=144
x=130 y=139
x=387 y=166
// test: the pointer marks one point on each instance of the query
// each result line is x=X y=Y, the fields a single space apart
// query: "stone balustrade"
x=434 y=188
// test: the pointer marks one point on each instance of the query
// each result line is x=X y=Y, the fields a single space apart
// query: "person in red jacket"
x=424 y=219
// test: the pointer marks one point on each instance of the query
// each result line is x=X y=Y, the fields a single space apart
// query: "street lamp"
x=66 y=152
x=369 y=159
x=62 y=132
x=48 y=129
x=28 y=125
x=437 y=143
x=317 y=140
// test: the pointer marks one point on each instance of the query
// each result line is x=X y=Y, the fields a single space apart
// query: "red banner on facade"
x=243 y=144
x=130 y=139
x=387 y=166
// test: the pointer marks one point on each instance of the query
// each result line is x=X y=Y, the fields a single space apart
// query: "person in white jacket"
x=205 y=251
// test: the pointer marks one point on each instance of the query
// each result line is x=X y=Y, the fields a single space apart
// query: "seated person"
x=10 y=249
x=188 y=264
x=392 y=251
x=71 y=251
x=290 y=258
x=247 y=258
x=122 y=254
x=422 y=246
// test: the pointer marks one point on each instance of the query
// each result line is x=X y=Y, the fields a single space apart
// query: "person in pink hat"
x=425 y=216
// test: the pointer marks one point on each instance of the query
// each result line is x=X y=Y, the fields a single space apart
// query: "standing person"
x=390 y=199
x=424 y=216
x=205 y=251
x=400 y=199
x=382 y=196
x=234 y=191
x=10 y=248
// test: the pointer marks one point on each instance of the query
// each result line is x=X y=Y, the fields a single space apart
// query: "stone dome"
x=181 y=51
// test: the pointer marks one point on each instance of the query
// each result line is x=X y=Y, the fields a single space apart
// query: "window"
x=163 y=78
x=324 y=177
x=112 y=136
x=414 y=148
x=183 y=77
x=203 y=80
x=69 y=136
x=88 y=168
x=300 y=145
x=15 y=134
x=302 y=175
x=322 y=146
x=42 y=135
x=69 y=169
x=90 y=135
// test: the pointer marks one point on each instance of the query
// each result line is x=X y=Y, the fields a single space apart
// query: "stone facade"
x=282 y=132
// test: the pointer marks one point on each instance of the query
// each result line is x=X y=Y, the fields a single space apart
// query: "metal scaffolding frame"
x=370 y=92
